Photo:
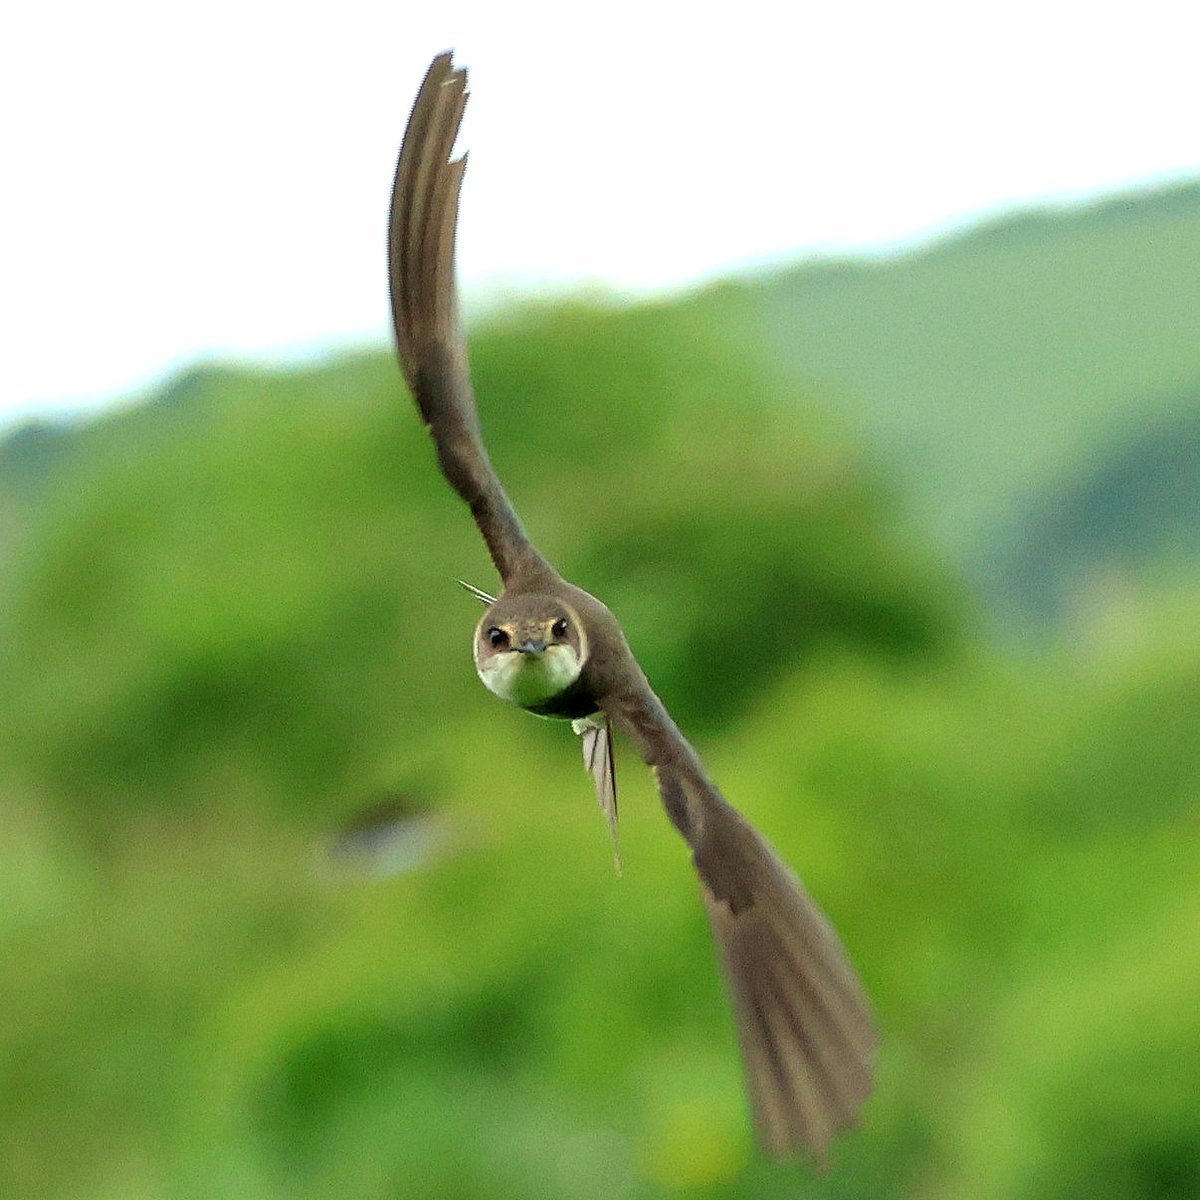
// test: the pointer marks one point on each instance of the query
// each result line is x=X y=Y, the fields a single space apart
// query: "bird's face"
x=529 y=649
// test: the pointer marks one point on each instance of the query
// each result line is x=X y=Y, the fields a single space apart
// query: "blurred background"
x=852 y=357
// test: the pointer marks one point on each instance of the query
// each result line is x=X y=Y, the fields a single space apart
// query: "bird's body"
x=804 y=1025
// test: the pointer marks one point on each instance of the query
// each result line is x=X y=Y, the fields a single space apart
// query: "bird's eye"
x=559 y=628
x=497 y=637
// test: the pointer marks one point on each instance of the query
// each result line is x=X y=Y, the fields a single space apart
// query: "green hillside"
x=228 y=625
x=1124 y=519
x=985 y=367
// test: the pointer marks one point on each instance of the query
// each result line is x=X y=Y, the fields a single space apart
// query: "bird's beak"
x=531 y=647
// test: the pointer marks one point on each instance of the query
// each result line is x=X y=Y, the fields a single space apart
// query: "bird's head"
x=529 y=648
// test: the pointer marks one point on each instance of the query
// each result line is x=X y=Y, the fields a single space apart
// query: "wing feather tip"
x=808 y=1055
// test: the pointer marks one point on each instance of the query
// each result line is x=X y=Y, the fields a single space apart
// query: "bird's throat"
x=530 y=680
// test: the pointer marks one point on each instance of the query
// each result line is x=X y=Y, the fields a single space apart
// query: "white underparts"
x=529 y=679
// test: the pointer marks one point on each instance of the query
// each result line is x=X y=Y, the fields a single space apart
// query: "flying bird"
x=804 y=1025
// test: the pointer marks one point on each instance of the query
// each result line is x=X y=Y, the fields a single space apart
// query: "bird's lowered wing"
x=804 y=1024
x=429 y=339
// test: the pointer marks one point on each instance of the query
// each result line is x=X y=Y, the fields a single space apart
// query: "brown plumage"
x=804 y=1025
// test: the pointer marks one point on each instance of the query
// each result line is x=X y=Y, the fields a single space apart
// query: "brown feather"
x=425 y=315
x=804 y=1024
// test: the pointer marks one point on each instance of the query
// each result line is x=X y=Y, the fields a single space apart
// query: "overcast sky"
x=186 y=182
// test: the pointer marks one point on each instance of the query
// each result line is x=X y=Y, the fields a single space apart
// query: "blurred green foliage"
x=229 y=623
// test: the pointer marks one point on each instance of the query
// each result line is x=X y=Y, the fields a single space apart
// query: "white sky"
x=185 y=182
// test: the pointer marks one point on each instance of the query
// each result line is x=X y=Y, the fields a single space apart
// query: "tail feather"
x=595 y=733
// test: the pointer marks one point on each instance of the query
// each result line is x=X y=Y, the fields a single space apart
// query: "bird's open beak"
x=531 y=647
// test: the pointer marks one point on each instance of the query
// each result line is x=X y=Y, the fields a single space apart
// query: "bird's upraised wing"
x=804 y=1024
x=433 y=352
